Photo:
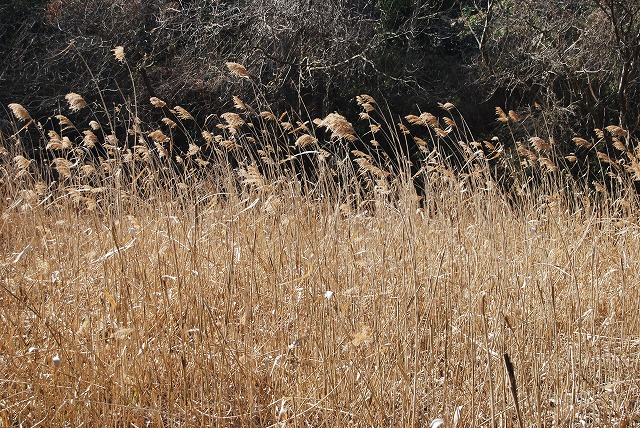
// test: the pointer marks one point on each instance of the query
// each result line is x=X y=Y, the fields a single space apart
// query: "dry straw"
x=233 y=120
x=90 y=139
x=267 y=115
x=244 y=294
x=21 y=162
x=238 y=103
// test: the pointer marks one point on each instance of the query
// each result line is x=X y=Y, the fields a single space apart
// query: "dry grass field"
x=134 y=293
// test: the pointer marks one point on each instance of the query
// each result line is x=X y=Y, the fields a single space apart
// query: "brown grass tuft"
x=56 y=142
x=526 y=153
x=619 y=145
x=21 y=162
x=170 y=123
x=90 y=139
x=267 y=115
x=430 y=120
x=209 y=138
x=548 y=164
x=365 y=99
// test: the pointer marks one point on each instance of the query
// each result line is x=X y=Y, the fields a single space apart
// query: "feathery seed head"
x=514 y=116
x=267 y=115
x=305 y=140
x=430 y=120
x=415 y=120
x=403 y=129
x=548 y=164
x=208 y=137
x=21 y=162
x=238 y=70
x=157 y=102
x=234 y=120
x=170 y=123
x=158 y=136
x=581 y=142
x=19 y=112
x=182 y=113
x=76 y=102
x=539 y=144
x=619 y=145
x=238 y=103
x=339 y=127
x=449 y=121
x=365 y=99
x=118 y=52
x=111 y=140
x=90 y=139
x=617 y=131
x=447 y=106
x=64 y=121
x=502 y=116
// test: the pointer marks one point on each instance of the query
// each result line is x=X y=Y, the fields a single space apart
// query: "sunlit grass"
x=225 y=285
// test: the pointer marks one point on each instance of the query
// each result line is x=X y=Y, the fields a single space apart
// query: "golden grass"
x=134 y=295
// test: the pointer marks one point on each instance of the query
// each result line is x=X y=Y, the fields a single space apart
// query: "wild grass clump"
x=258 y=269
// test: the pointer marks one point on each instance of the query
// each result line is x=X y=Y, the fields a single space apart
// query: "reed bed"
x=221 y=285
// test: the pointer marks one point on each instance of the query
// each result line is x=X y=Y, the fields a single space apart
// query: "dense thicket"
x=576 y=60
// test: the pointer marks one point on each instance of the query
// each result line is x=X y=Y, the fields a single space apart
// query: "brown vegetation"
x=222 y=285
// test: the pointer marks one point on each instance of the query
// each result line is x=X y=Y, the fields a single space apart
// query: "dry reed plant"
x=135 y=294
